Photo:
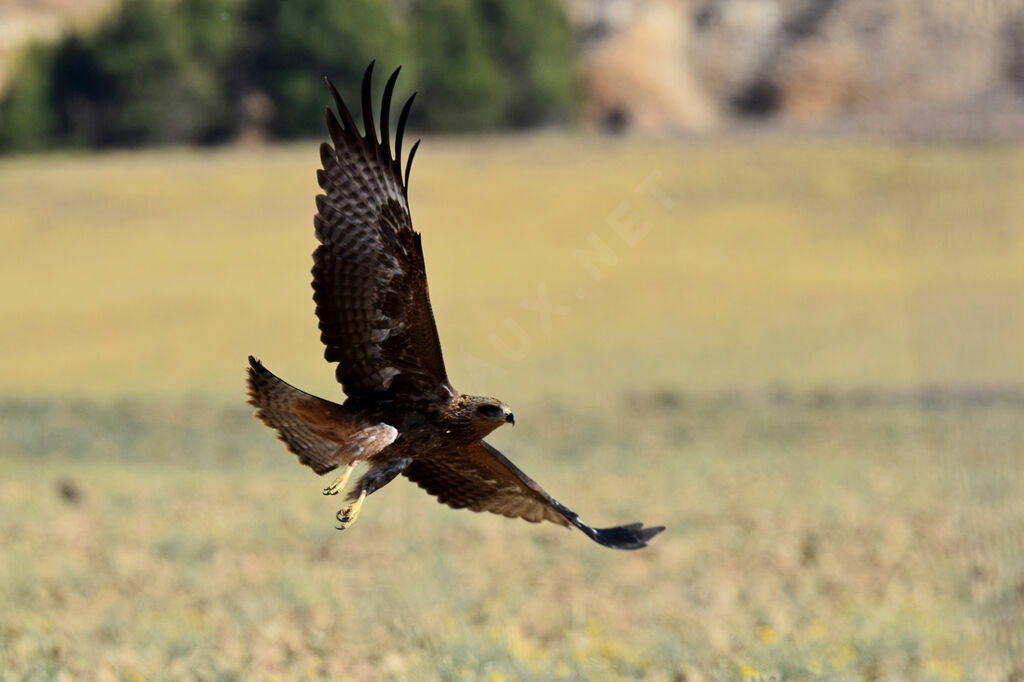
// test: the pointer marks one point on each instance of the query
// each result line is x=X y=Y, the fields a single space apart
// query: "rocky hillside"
x=910 y=66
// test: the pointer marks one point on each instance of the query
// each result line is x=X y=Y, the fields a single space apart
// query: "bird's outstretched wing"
x=480 y=478
x=369 y=280
x=323 y=434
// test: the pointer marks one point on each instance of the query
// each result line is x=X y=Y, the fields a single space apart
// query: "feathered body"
x=401 y=415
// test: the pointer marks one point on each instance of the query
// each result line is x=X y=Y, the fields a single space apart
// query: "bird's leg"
x=341 y=481
x=347 y=516
x=379 y=475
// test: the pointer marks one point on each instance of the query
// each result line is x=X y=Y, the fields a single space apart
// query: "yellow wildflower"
x=947 y=670
x=766 y=634
x=843 y=656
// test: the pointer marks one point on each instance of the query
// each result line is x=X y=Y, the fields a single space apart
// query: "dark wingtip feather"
x=321 y=203
x=385 y=113
x=346 y=115
x=327 y=152
x=344 y=133
x=400 y=132
x=408 y=165
x=370 y=133
x=334 y=130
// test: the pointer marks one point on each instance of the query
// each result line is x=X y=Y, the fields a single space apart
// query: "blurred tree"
x=486 y=64
x=534 y=46
x=27 y=117
x=148 y=74
x=287 y=46
x=81 y=91
x=161 y=91
x=211 y=27
x=187 y=71
x=160 y=72
x=461 y=86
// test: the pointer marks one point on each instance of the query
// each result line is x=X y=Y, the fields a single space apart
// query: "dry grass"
x=814 y=534
x=808 y=539
x=806 y=264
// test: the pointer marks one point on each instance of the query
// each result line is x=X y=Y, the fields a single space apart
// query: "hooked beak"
x=510 y=419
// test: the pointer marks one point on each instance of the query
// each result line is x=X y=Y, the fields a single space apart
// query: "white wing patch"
x=367 y=442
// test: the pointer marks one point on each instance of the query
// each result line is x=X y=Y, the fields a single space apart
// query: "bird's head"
x=486 y=414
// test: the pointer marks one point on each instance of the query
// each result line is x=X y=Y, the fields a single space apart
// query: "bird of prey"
x=401 y=414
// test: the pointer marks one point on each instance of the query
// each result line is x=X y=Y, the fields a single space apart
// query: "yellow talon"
x=347 y=516
x=340 y=482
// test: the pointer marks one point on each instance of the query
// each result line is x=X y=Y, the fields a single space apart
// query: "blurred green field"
x=746 y=263
x=809 y=537
x=803 y=357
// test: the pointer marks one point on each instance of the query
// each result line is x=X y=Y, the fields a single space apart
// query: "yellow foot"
x=340 y=482
x=347 y=516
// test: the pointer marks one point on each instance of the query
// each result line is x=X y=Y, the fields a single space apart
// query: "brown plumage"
x=401 y=415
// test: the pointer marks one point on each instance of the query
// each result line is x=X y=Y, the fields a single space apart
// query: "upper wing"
x=480 y=478
x=369 y=281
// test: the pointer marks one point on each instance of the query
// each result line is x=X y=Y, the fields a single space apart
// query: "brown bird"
x=401 y=415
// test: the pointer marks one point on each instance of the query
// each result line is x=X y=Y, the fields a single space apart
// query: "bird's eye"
x=491 y=411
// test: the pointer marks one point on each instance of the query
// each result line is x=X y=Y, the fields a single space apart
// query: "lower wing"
x=480 y=478
x=323 y=434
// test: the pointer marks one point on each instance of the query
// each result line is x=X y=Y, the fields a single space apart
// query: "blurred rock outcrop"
x=636 y=68
x=902 y=65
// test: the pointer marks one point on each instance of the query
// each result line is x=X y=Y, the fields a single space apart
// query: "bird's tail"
x=323 y=434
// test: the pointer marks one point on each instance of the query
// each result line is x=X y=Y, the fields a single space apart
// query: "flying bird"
x=401 y=414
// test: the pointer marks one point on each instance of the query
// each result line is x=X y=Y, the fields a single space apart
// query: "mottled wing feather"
x=480 y=478
x=369 y=279
x=474 y=478
x=323 y=434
